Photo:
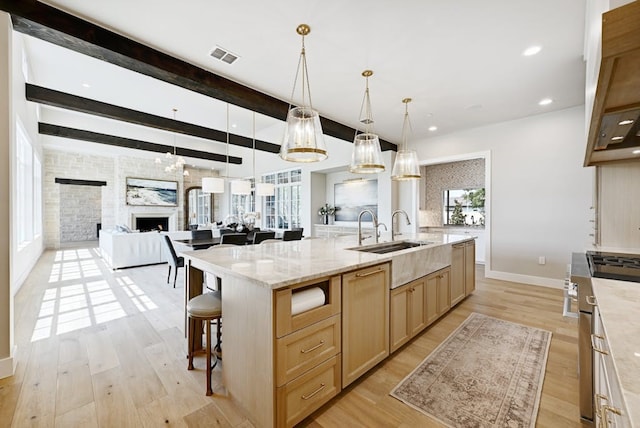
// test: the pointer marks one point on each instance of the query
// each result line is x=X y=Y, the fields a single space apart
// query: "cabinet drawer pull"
x=591 y=300
x=362 y=275
x=593 y=344
x=306 y=397
x=603 y=416
x=599 y=398
x=306 y=351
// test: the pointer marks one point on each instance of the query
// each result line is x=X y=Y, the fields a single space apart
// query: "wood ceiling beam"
x=55 y=26
x=63 y=100
x=129 y=143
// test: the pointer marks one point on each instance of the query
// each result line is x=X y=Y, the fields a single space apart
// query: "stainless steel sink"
x=390 y=247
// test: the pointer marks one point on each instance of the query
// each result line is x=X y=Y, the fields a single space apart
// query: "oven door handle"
x=591 y=300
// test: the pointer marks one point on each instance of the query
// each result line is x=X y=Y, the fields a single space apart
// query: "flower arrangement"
x=326 y=210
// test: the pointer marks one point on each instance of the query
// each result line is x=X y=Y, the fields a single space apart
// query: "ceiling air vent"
x=224 y=55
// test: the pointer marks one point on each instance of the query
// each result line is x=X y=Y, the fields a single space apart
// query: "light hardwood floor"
x=98 y=348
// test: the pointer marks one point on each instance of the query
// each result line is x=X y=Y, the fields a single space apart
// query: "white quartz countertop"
x=280 y=264
x=619 y=305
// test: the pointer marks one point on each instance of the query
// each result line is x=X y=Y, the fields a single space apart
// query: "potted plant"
x=325 y=211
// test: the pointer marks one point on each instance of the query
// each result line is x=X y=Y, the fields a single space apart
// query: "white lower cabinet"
x=608 y=403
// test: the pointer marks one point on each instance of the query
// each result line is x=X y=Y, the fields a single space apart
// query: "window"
x=463 y=207
x=24 y=186
x=282 y=211
x=37 y=196
x=243 y=204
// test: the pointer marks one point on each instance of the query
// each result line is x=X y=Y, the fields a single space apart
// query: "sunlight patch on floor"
x=78 y=297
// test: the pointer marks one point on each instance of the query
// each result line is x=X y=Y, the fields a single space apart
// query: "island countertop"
x=619 y=304
x=280 y=264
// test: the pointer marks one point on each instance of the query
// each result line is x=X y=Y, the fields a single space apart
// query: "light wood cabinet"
x=438 y=294
x=408 y=314
x=365 y=320
x=307 y=351
x=463 y=271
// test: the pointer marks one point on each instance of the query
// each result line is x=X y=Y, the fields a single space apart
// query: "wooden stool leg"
x=209 y=391
x=190 y=342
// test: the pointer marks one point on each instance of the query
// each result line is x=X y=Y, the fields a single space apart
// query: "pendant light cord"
x=227 y=165
x=302 y=64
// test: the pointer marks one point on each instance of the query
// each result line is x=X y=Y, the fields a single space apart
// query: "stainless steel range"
x=598 y=264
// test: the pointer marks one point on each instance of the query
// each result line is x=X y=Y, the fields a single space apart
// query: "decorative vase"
x=325 y=219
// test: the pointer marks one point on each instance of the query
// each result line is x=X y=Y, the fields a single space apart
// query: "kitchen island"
x=280 y=365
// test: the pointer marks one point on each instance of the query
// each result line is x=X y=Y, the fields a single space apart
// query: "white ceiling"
x=460 y=60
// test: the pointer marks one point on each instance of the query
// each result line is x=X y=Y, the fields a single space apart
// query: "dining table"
x=199 y=243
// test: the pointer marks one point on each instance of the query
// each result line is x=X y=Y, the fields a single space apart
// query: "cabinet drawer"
x=287 y=323
x=298 y=352
x=301 y=397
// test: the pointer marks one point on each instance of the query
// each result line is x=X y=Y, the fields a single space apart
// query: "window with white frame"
x=282 y=211
x=37 y=196
x=24 y=186
x=243 y=204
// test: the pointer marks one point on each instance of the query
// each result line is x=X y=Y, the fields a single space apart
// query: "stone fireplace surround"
x=171 y=216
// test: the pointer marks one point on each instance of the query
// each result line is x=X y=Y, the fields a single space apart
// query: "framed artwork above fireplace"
x=148 y=192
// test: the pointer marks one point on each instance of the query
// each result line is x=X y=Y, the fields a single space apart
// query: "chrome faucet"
x=393 y=229
x=375 y=226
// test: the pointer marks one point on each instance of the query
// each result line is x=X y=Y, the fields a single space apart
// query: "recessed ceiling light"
x=617 y=138
x=233 y=125
x=433 y=128
x=545 y=101
x=625 y=122
x=531 y=50
x=636 y=152
x=86 y=85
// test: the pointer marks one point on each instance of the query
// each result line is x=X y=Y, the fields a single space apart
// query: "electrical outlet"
x=541 y=260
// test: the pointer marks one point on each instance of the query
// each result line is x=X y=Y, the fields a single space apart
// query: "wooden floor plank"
x=135 y=361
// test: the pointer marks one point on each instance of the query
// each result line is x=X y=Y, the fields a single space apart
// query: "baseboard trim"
x=526 y=279
x=8 y=365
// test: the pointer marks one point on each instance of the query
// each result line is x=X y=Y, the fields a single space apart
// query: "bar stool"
x=205 y=307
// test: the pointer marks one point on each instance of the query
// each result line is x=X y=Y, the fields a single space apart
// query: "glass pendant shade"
x=406 y=166
x=240 y=187
x=303 y=139
x=212 y=185
x=265 y=189
x=366 y=157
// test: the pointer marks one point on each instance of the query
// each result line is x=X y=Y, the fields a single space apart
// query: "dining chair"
x=260 y=236
x=201 y=234
x=252 y=233
x=234 y=238
x=292 y=235
x=173 y=259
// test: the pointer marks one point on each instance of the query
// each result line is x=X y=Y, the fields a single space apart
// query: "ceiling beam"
x=129 y=143
x=55 y=26
x=63 y=100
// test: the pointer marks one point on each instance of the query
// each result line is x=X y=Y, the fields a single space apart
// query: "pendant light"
x=262 y=189
x=366 y=157
x=216 y=184
x=179 y=160
x=303 y=139
x=406 y=166
x=238 y=186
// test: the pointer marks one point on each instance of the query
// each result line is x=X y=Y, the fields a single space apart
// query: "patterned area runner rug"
x=487 y=373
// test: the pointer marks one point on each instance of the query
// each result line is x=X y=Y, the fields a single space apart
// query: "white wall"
x=27 y=113
x=7 y=364
x=540 y=194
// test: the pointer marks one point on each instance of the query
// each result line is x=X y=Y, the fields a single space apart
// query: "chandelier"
x=176 y=162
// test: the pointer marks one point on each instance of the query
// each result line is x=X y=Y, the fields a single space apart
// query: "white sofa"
x=120 y=249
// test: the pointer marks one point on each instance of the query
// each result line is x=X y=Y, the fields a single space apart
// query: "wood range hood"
x=614 y=131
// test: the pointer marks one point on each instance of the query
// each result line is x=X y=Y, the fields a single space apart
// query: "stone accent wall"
x=113 y=207
x=58 y=164
x=468 y=174
x=80 y=212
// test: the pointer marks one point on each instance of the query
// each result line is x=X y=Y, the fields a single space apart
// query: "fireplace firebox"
x=146 y=224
